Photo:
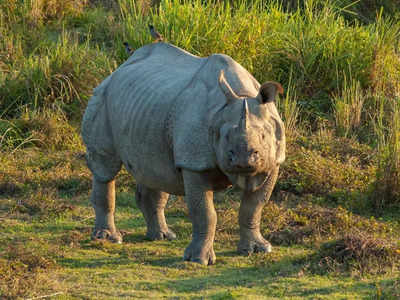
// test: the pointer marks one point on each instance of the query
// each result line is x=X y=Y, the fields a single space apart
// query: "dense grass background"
x=339 y=63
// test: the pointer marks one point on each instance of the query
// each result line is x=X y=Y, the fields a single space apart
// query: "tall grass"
x=387 y=186
x=61 y=72
x=66 y=58
x=338 y=70
x=354 y=11
x=315 y=43
x=289 y=110
x=348 y=106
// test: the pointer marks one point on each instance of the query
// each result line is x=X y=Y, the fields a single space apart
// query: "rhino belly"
x=168 y=180
x=152 y=165
x=144 y=148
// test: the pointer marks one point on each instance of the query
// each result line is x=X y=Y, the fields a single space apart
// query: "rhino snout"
x=245 y=162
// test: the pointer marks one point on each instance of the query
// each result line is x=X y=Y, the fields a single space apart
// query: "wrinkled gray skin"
x=184 y=125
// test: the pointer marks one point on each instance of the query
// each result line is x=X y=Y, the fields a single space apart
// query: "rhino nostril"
x=230 y=155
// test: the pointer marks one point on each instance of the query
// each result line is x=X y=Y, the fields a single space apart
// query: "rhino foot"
x=161 y=235
x=203 y=255
x=104 y=234
x=249 y=246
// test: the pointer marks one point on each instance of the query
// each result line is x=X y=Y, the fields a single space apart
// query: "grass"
x=334 y=215
x=47 y=219
x=348 y=108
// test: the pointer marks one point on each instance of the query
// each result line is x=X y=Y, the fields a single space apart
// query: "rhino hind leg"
x=104 y=170
x=152 y=203
x=251 y=239
x=103 y=201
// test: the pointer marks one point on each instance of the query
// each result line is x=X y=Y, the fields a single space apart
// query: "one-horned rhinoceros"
x=184 y=125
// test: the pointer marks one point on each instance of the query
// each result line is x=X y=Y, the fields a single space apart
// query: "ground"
x=46 y=247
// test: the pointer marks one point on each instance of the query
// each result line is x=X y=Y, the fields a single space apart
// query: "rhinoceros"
x=184 y=125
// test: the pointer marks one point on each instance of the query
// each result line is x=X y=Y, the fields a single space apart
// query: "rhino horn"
x=244 y=116
x=268 y=91
x=226 y=88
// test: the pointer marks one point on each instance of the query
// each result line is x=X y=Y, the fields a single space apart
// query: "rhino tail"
x=101 y=158
x=92 y=115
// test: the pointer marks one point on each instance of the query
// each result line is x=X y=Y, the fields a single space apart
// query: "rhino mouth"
x=249 y=182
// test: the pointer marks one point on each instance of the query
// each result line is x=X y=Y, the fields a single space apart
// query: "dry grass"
x=360 y=252
x=26 y=271
x=348 y=107
x=310 y=224
x=323 y=165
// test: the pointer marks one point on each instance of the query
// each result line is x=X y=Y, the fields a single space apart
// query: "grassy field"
x=334 y=216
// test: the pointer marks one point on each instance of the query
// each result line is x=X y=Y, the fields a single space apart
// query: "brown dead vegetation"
x=359 y=252
x=26 y=271
x=310 y=224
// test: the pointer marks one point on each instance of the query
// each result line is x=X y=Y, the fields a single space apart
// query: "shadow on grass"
x=135 y=238
x=94 y=263
x=235 y=281
x=171 y=262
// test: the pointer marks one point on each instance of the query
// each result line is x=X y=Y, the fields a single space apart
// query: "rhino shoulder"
x=192 y=143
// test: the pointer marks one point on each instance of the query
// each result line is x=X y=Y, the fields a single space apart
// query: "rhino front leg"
x=152 y=203
x=199 y=199
x=251 y=207
x=103 y=201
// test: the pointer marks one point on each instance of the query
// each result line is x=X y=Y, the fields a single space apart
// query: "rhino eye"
x=263 y=136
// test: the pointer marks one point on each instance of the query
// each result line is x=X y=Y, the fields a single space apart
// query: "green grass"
x=338 y=190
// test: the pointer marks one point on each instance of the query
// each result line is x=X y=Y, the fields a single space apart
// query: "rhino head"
x=249 y=139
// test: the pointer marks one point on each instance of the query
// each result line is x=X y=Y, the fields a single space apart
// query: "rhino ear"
x=226 y=88
x=268 y=91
